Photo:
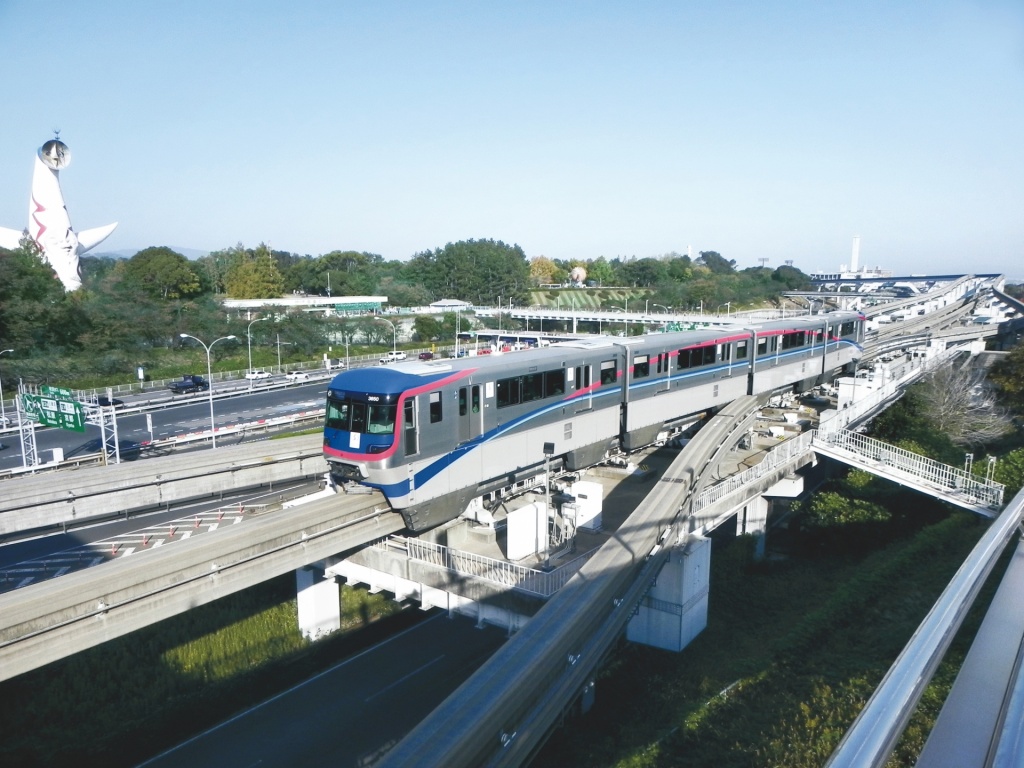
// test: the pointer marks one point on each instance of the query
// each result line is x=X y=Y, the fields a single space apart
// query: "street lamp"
x=667 y=309
x=209 y=380
x=248 y=339
x=394 y=329
x=727 y=305
x=3 y=413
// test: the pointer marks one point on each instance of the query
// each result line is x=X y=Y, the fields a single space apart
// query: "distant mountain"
x=127 y=253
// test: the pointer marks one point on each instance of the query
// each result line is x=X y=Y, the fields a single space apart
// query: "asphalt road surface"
x=351 y=714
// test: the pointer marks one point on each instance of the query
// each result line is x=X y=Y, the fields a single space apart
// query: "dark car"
x=426 y=355
x=189 y=383
x=104 y=400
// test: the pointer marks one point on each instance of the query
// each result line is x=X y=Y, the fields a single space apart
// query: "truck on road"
x=189 y=383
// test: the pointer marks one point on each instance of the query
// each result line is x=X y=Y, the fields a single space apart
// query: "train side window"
x=435 y=407
x=463 y=405
x=641 y=366
x=762 y=346
x=683 y=359
x=608 y=374
x=409 y=421
x=554 y=383
x=533 y=387
x=741 y=350
x=508 y=392
x=793 y=340
x=476 y=399
x=774 y=346
x=708 y=355
x=726 y=351
x=846 y=329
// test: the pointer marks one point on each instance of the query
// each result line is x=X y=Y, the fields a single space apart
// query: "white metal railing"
x=975 y=489
x=532 y=580
x=782 y=454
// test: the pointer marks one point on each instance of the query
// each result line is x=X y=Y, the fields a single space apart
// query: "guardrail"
x=520 y=577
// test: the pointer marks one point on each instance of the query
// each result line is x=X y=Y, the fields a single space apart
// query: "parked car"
x=257 y=374
x=190 y=382
x=426 y=355
x=393 y=357
x=294 y=376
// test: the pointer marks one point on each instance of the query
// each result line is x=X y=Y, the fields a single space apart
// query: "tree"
x=958 y=403
x=255 y=277
x=35 y=312
x=1008 y=376
x=715 y=262
x=478 y=271
x=162 y=273
x=600 y=270
x=427 y=328
x=543 y=270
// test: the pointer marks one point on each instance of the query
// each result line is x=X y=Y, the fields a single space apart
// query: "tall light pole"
x=727 y=306
x=667 y=309
x=209 y=380
x=3 y=413
x=394 y=330
x=248 y=339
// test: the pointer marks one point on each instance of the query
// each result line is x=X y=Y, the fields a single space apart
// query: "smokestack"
x=856 y=253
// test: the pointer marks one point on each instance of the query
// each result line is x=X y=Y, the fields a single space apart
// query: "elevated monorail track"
x=503 y=713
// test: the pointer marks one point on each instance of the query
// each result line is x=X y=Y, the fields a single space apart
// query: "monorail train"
x=446 y=437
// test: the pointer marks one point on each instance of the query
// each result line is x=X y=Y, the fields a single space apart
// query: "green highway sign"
x=55 y=407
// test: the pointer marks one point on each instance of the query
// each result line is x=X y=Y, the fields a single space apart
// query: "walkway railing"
x=523 y=578
x=977 y=491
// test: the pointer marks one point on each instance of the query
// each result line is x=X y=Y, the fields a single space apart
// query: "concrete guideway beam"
x=539 y=671
x=38 y=502
x=45 y=622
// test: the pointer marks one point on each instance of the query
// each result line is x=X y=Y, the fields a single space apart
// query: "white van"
x=392 y=357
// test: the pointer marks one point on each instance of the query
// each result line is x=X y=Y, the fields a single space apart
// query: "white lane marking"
x=402 y=679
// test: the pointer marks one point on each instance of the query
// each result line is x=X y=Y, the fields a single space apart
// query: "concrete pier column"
x=753 y=519
x=319 y=602
x=675 y=610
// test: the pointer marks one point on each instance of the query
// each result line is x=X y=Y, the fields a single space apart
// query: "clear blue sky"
x=575 y=129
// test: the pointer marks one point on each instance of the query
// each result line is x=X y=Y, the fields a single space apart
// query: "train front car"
x=370 y=425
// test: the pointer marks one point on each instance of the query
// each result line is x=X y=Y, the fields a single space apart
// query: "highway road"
x=181 y=415
x=353 y=712
x=38 y=558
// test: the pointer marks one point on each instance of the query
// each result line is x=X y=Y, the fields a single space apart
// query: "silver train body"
x=442 y=437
